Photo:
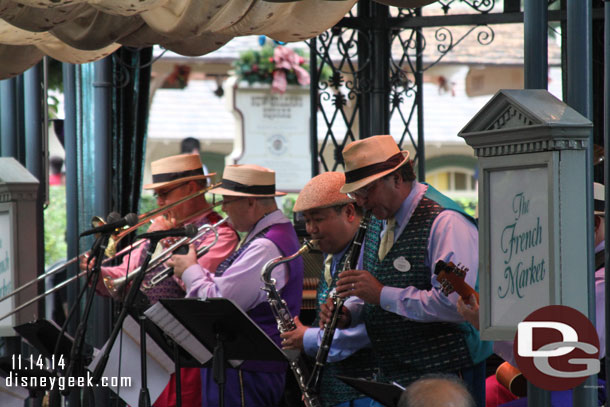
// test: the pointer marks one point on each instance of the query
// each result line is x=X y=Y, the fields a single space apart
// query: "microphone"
x=187 y=231
x=130 y=219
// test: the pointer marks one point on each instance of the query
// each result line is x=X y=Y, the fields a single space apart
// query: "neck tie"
x=242 y=241
x=328 y=276
x=388 y=238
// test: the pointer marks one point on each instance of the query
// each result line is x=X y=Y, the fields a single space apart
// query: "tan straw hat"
x=599 y=199
x=176 y=169
x=369 y=159
x=247 y=180
x=322 y=191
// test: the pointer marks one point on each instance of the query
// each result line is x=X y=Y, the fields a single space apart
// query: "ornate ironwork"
x=482 y=6
x=122 y=76
x=345 y=53
x=341 y=81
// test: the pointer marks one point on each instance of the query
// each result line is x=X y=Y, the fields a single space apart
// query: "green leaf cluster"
x=55 y=246
x=257 y=66
x=468 y=204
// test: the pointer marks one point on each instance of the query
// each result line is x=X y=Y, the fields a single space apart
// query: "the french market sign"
x=519 y=246
x=531 y=149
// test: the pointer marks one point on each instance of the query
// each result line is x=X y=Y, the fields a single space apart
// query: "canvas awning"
x=79 y=31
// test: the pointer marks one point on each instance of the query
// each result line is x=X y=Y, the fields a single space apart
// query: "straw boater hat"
x=599 y=199
x=176 y=169
x=370 y=159
x=322 y=191
x=247 y=180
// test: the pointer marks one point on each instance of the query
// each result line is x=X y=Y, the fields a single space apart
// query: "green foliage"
x=468 y=204
x=287 y=203
x=55 y=75
x=55 y=247
x=257 y=66
x=55 y=83
x=147 y=203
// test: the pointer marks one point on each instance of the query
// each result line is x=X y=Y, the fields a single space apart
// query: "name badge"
x=402 y=264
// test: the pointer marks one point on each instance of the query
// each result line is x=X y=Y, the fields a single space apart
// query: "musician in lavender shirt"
x=408 y=319
x=248 y=192
x=332 y=219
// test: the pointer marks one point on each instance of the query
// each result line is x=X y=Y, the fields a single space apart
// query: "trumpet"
x=115 y=286
x=142 y=219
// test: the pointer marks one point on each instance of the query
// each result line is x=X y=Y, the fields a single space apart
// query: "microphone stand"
x=76 y=362
x=144 y=400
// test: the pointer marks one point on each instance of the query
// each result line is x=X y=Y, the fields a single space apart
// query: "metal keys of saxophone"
x=285 y=321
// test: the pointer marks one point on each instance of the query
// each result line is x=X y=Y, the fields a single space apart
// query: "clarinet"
x=285 y=322
x=313 y=384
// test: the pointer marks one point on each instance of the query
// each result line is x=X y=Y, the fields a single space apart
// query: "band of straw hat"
x=369 y=159
x=248 y=180
x=176 y=169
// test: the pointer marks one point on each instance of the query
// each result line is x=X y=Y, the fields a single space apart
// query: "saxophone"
x=285 y=322
x=313 y=384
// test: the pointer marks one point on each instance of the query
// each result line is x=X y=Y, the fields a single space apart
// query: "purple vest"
x=285 y=238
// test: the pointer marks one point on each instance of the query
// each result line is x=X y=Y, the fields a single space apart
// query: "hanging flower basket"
x=277 y=66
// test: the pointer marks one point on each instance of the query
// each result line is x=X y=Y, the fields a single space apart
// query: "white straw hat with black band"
x=247 y=180
x=369 y=159
x=176 y=169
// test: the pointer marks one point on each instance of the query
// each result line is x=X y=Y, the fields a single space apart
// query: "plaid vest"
x=407 y=349
x=169 y=288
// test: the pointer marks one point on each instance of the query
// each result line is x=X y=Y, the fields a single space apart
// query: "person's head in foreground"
x=436 y=390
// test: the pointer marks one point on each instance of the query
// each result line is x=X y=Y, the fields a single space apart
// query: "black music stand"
x=219 y=324
x=43 y=334
x=173 y=350
x=386 y=394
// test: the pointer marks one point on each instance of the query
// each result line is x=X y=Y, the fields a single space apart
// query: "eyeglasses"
x=227 y=201
x=361 y=192
x=164 y=194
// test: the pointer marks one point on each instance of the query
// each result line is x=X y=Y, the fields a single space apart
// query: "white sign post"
x=273 y=132
x=532 y=226
x=18 y=237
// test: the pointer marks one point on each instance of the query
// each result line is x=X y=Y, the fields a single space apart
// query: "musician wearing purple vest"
x=248 y=199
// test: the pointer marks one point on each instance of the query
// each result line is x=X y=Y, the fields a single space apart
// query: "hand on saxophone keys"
x=180 y=262
x=361 y=284
x=294 y=339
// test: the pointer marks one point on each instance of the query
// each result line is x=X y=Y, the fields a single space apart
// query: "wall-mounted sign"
x=274 y=133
